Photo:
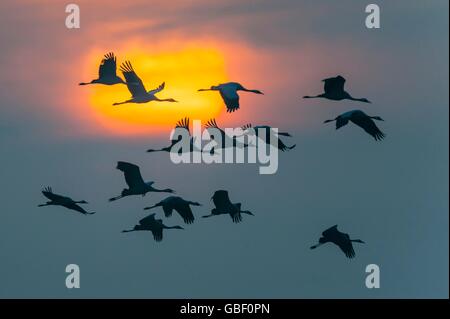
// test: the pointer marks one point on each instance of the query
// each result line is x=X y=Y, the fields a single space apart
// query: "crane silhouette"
x=229 y=94
x=226 y=140
x=137 y=89
x=156 y=226
x=106 y=72
x=361 y=119
x=270 y=135
x=180 y=205
x=334 y=90
x=225 y=206
x=67 y=202
x=136 y=185
x=342 y=240
x=181 y=124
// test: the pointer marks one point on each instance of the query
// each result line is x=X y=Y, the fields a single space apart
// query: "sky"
x=392 y=194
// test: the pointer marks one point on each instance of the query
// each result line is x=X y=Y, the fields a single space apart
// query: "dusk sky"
x=393 y=194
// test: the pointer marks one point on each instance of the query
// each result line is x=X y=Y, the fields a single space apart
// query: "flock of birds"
x=333 y=90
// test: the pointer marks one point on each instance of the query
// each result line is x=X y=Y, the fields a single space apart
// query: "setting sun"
x=183 y=71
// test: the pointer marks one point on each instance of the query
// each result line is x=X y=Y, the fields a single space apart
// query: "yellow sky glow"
x=184 y=71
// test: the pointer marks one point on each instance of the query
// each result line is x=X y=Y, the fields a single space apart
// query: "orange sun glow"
x=184 y=72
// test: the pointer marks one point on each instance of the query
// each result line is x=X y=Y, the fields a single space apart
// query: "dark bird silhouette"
x=107 y=72
x=270 y=135
x=361 y=119
x=225 y=206
x=342 y=240
x=180 y=205
x=136 y=185
x=226 y=140
x=156 y=226
x=67 y=202
x=334 y=90
x=137 y=89
x=181 y=124
x=229 y=94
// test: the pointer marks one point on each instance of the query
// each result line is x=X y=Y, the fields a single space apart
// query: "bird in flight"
x=334 y=90
x=270 y=135
x=136 y=185
x=342 y=240
x=181 y=124
x=156 y=226
x=180 y=205
x=226 y=140
x=361 y=119
x=107 y=72
x=225 y=206
x=229 y=94
x=137 y=89
x=67 y=202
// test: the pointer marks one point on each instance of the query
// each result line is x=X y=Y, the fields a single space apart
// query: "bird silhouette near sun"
x=107 y=77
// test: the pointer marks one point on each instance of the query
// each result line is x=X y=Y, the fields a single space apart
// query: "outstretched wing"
x=230 y=97
x=148 y=220
x=167 y=210
x=132 y=174
x=158 y=89
x=369 y=126
x=341 y=121
x=330 y=231
x=183 y=123
x=157 y=233
x=108 y=66
x=185 y=212
x=213 y=124
x=48 y=192
x=346 y=245
x=236 y=216
x=334 y=85
x=134 y=83
x=221 y=200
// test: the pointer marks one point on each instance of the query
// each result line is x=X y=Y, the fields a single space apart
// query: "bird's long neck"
x=164 y=149
x=171 y=227
x=349 y=97
x=194 y=203
x=164 y=100
x=151 y=207
x=124 y=102
x=317 y=245
x=166 y=190
x=86 y=83
x=313 y=96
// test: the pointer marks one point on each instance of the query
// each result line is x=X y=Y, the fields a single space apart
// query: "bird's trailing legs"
x=115 y=198
x=46 y=204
